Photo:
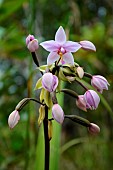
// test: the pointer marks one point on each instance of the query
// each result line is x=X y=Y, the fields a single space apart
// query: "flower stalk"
x=47 y=143
x=60 y=67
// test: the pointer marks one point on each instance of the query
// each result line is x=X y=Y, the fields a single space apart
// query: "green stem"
x=81 y=84
x=82 y=121
x=47 y=144
x=87 y=75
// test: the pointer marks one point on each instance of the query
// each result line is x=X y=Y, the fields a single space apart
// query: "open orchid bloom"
x=60 y=48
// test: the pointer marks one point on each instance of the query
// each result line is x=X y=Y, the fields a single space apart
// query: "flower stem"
x=81 y=84
x=35 y=59
x=47 y=144
x=87 y=75
x=82 y=121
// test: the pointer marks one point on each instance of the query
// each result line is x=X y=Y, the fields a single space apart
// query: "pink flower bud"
x=80 y=72
x=49 y=82
x=92 y=99
x=99 y=83
x=32 y=43
x=29 y=39
x=81 y=103
x=58 y=113
x=94 y=129
x=87 y=45
x=13 y=119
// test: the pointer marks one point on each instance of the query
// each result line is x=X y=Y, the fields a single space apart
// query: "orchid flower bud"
x=13 y=119
x=99 y=83
x=80 y=72
x=32 y=43
x=94 y=129
x=92 y=99
x=87 y=45
x=81 y=103
x=49 y=82
x=58 y=113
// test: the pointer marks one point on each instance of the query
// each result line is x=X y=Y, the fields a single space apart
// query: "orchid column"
x=61 y=67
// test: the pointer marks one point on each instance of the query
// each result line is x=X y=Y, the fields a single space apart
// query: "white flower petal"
x=87 y=45
x=52 y=57
x=72 y=46
x=68 y=58
x=50 y=45
x=60 y=36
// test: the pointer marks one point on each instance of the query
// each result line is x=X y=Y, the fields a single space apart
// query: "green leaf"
x=42 y=68
x=47 y=98
x=39 y=162
x=9 y=7
x=71 y=143
x=38 y=84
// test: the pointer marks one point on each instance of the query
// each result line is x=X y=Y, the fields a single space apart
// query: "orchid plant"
x=60 y=67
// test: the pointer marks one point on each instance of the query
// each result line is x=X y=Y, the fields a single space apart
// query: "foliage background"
x=86 y=19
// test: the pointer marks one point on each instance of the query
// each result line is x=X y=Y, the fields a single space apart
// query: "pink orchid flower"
x=92 y=99
x=81 y=103
x=100 y=83
x=61 y=49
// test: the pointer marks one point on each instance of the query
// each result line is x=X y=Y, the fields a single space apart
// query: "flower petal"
x=29 y=38
x=81 y=103
x=100 y=83
x=50 y=45
x=92 y=99
x=47 y=81
x=87 y=45
x=33 y=45
x=52 y=57
x=72 y=46
x=68 y=58
x=60 y=36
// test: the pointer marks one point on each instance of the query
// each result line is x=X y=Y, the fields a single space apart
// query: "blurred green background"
x=83 y=20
